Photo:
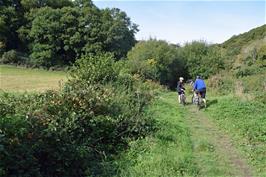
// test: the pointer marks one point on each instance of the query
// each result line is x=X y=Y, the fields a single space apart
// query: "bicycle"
x=194 y=99
x=198 y=100
x=183 y=98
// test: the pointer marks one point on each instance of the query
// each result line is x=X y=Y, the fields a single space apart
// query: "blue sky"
x=182 y=21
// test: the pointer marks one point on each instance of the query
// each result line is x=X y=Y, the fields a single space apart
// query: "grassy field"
x=13 y=79
x=245 y=121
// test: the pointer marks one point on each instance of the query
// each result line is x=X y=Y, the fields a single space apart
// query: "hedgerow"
x=69 y=132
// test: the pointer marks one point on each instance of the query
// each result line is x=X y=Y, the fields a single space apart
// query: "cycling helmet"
x=181 y=78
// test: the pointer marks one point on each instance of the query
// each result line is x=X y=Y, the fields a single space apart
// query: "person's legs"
x=203 y=95
x=179 y=97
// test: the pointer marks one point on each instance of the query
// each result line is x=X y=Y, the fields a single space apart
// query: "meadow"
x=18 y=79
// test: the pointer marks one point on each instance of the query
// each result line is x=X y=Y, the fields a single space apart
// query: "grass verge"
x=245 y=121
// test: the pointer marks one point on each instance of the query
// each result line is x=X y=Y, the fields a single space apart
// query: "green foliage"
x=9 y=57
x=250 y=85
x=261 y=62
x=200 y=56
x=31 y=4
x=247 y=71
x=245 y=49
x=57 y=33
x=70 y=132
x=156 y=60
x=42 y=55
x=14 y=57
x=118 y=31
x=11 y=18
x=95 y=69
x=221 y=84
x=242 y=39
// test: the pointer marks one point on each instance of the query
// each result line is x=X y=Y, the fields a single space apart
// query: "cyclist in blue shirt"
x=200 y=88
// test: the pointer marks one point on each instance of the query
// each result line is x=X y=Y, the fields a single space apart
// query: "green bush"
x=14 y=57
x=254 y=83
x=70 y=132
x=245 y=71
x=10 y=57
x=242 y=72
x=221 y=84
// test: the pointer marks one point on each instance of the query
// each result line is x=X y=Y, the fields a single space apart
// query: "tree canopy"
x=157 y=60
x=56 y=33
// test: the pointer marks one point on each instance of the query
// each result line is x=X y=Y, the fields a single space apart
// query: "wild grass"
x=245 y=121
x=14 y=79
x=168 y=151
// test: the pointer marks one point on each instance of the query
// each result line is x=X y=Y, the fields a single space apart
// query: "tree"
x=119 y=32
x=157 y=60
x=200 y=56
x=67 y=33
x=11 y=18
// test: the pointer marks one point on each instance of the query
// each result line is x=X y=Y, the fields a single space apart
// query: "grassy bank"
x=15 y=79
x=245 y=121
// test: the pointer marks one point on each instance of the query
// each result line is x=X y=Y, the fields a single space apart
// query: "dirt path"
x=212 y=144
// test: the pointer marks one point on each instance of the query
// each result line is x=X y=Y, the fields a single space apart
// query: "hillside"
x=245 y=38
x=244 y=58
x=247 y=49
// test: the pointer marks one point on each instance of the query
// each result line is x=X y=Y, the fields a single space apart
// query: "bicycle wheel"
x=205 y=103
x=183 y=99
x=199 y=104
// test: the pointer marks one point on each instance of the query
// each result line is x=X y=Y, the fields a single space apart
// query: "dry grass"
x=15 y=79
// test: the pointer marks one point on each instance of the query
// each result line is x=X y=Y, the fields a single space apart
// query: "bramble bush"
x=71 y=131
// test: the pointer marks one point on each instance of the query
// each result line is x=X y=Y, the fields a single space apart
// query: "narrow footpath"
x=220 y=148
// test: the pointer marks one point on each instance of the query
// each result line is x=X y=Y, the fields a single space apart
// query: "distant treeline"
x=48 y=33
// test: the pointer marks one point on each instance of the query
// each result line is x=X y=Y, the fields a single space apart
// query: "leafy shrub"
x=10 y=57
x=254 y=83
x=221 y=84
x=69 y=132
x=95 y=69
x=242 y=72
x=14 y=57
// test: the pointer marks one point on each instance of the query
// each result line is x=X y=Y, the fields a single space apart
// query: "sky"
x=182 y=21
